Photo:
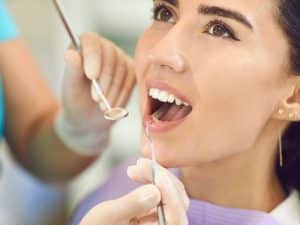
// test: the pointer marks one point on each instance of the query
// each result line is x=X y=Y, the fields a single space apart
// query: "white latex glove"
x=139 y=206
x=81 y=124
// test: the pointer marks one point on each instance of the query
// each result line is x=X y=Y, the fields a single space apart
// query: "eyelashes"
x=162 y=13
x=216 y=28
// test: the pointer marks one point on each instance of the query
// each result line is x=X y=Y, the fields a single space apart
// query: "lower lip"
x=160 y=126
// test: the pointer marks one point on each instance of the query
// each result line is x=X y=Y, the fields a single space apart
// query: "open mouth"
x=166 y=107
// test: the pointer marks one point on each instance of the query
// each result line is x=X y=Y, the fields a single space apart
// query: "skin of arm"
x=30 y=112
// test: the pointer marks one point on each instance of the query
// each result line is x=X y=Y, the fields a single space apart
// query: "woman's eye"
x=162 y=13
x=221 y=30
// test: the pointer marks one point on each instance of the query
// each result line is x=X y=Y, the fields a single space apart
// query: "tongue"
x=183 y=112
x=171 y=112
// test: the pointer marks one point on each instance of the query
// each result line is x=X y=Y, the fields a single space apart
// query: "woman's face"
x=225 y=61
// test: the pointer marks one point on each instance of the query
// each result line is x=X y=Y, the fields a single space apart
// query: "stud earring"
x=291 y=115
x=280 y=111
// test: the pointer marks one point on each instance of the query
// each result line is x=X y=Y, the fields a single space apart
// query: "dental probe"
x=110 y=113
x=160 y=211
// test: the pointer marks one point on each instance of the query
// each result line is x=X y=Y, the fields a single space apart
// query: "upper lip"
x=166 y=87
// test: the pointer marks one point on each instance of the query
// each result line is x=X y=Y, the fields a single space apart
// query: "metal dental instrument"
x=110 y=113
x=160 y=211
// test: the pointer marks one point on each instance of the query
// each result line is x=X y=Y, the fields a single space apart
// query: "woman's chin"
x=162 y=159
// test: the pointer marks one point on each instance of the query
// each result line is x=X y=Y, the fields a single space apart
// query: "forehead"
x=252 y=9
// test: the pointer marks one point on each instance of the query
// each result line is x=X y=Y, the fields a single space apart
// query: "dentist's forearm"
x=50 y=159
x=30 y=111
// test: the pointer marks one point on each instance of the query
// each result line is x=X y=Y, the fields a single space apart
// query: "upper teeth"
x=164 y=96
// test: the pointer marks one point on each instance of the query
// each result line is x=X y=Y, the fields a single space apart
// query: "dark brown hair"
x=289 y=174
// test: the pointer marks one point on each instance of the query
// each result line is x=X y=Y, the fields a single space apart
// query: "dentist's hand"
x=139 y=206
x=81 y=124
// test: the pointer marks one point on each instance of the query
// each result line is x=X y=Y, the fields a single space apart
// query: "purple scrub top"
x=199 y=212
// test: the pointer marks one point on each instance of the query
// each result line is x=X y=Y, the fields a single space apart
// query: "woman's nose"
x=171 y=60
x=167 y=53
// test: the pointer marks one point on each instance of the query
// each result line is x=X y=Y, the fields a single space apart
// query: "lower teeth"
x=155 y=119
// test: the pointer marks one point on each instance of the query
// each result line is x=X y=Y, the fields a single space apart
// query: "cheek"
x=237 y=96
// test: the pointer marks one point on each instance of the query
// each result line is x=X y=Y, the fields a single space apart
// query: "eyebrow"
x=218 y=11
x=171 y=2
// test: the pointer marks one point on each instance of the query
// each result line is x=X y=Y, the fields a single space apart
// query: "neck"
x=247 y=180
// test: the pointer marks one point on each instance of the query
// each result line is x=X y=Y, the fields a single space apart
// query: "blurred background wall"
x=23 y=199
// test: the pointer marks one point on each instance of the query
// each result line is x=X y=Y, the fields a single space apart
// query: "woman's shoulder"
x=116 y=186
x=288 y=212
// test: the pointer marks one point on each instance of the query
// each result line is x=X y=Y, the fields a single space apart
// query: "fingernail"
x=92 y=66
x=149 y=196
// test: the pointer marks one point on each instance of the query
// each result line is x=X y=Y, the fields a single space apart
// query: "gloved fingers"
x=92 y=55
x=141 y=176
x=172 y=200
x=127 y=85
x=110 y=62
x=73 y=60
x=144 y=163
x=73 y=77
x=111 y=68
x=150 y=219
x=125 y=209
x=117 y=81
x=142 y=173
x=115 y=74
x=99 y=58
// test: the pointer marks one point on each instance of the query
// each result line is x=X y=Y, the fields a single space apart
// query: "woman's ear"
x=289 y=107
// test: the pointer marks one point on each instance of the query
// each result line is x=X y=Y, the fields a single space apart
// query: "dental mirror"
x=110 y=113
